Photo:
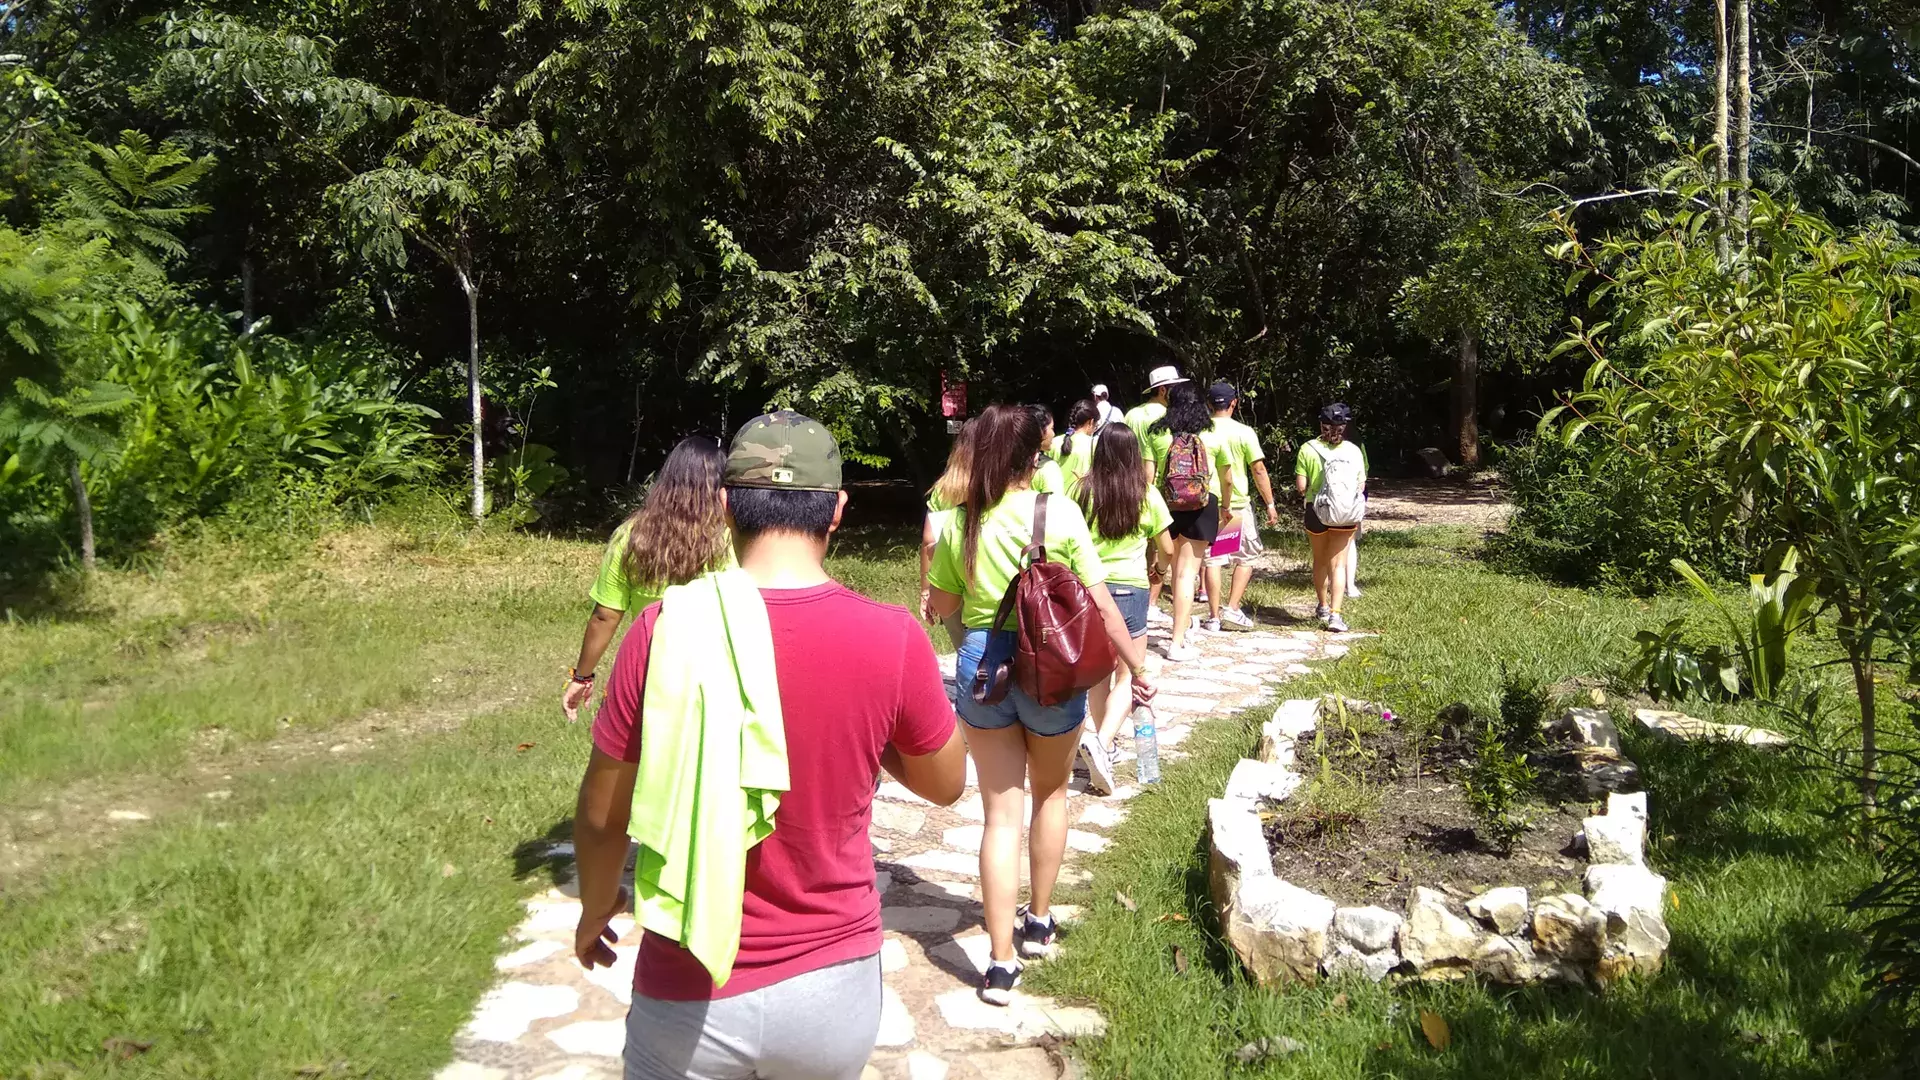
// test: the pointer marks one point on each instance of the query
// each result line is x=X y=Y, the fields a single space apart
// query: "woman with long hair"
x=1016 y=742
x=1187 y=429
x=943 y=499
x=678 y=532
x=1127 y=517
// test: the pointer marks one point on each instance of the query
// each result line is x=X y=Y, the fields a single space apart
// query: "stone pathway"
x=549 y=1020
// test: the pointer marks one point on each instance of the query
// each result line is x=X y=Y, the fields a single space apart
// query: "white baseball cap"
x=1163 y=376
x=1099 y=389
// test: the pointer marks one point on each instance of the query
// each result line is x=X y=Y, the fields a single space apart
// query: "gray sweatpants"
x=816 y=1026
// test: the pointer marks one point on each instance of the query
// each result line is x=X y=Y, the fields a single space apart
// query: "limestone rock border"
x=1285 y=934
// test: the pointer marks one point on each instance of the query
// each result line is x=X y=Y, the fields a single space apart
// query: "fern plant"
x=136 y=196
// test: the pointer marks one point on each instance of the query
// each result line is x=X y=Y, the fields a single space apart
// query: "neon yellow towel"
x=713 y=762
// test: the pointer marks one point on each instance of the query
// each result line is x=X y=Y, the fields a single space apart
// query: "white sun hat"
x=1163 y=376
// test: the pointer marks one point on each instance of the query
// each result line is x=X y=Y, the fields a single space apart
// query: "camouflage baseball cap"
x=784 y=450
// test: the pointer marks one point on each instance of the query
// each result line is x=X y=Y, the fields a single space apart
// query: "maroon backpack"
x=1061 y=644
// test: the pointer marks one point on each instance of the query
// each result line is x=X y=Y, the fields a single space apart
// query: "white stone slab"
x=467 y=1070
x=897 y=792
x=600 y=1038
x=946 y=862
x=576 y=1071
x=963 y=837
x=945 y=890
x=1081 y=840
x=1027 y=1018
x=531 y=953
x=545 y=917
x=897 y=818
x=1103 y=815
x=617 y=979
x=508 y=1010
x=893 y=956
x=969 y=953
x=924 y=1066
x=1179 y=704
x=896 y=1023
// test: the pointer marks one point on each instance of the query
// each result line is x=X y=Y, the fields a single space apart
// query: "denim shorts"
x=1132 y=602
x=994 y=648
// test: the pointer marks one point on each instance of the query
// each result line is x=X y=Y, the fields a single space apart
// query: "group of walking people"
x=774 y=698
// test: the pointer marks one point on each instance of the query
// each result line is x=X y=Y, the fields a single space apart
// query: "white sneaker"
x=1179 y=653
x=1235 y=618
x=1353 y=592
x=1156 y=617
x=1099 y=763
x=1336 y=624
x=1320 y=613
x=1212 y=625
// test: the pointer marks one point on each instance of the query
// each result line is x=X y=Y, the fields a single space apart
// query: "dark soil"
x=1419 y=829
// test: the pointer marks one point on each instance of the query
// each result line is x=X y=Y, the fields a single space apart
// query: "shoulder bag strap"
x=1037 y=550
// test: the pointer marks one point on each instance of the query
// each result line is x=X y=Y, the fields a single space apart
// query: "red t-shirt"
x=855 y=675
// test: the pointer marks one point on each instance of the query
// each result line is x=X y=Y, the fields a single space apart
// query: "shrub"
x=1523 y=711
x=1497 y=785
x=1579 y=518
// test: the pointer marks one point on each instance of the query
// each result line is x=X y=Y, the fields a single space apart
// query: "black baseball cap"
x=1336 y=413
x=1222 y=394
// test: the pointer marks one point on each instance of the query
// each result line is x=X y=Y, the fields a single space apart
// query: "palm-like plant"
x=48 y=429
x=136 y=196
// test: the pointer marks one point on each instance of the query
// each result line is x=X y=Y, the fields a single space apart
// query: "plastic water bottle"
x=1146 y=746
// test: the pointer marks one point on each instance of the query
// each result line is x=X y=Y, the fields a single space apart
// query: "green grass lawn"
x=1760 y=980
x=339 y=913
x=336 y=912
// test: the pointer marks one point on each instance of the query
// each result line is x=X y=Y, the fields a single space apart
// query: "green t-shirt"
x=1310 y=464
x=1126 y=557
x=1140 y=418
x=1243 y=449
x=1004 y=534
x=611 y=589
x=1049 y=478
x=1075 y=452
x=1161 y=444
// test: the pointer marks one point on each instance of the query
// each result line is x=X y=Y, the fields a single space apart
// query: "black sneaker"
x=997 y=987
x=1033 y=936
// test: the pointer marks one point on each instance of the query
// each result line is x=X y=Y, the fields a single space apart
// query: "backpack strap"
x=1035 y=551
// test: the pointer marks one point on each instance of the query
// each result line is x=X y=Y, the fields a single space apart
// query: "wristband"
x=579 y=678
x=1139 y=670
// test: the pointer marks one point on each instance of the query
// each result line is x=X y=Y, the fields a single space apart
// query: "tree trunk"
x=83 y=506
x=1720 y=167
x=246 y=293
x=472 y=290
x=1466 y=402
x=1742 y=112
x=1858 y=642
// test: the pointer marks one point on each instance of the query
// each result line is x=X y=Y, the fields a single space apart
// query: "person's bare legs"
x=1242 y=576
x=1351 y=566
x=1214 y=595
x=1108 y=703
x=1049 y=764
x=1000 y=759
x=1323 y=554
x=1187 y=557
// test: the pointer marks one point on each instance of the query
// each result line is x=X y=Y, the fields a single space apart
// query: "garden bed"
x=1382 y=812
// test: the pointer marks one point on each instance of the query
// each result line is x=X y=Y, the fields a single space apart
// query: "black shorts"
x=1316 y=526
x=1201 y=524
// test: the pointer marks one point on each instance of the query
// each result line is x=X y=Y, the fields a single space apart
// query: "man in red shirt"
x=860 y=691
